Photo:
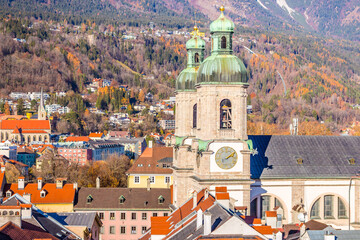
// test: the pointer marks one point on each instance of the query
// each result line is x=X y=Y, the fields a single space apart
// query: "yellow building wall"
x=159 y=181
x=68 y=207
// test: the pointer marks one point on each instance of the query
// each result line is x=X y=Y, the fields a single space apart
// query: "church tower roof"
x=195 y=49
x=222 y=67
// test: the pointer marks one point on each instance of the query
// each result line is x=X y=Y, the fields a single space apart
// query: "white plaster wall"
x=236 y=146
x=188 y=141
x=315 y=189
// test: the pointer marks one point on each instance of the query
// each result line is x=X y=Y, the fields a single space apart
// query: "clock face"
x=226 y=157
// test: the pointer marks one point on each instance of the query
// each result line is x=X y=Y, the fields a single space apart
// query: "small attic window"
x=299 y=161
x=122 y=199
x=42 y=194
x=89 y=199
x=351 y=161
x=161 y=199
x=8 y=193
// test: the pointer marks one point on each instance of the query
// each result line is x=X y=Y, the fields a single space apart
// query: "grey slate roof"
x=135 y=198
x=340 y=234
x=323 y=156
x=76 y=219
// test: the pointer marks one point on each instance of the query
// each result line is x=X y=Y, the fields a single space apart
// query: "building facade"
x=300 y=174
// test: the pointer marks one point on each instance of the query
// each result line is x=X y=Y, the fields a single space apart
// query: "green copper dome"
x=186 y=79
x=222 y=24
x=195 y=41
x=222 y=69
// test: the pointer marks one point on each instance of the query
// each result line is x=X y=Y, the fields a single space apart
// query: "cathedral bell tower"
x=41 y=109
x=210 y=145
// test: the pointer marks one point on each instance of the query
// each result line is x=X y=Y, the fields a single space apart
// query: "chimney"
x=207 y=223
x=206 y=194
x=148 y=184
x=271 y=218
x=329 y=236
x=75 y=186
x=59 y=183
x=150 y=144
x=199 y=219
x=97 y=182
x=39 y=183
x=194 y=199
x=27 y=197
x=21 y=183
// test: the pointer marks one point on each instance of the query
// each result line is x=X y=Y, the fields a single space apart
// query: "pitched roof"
x=108 y=198
x=339 y=234
x=75 y=219
x=25 y=124
x=147 y=163
x=315 y=225
x=321 y=156
x=12 y=231
x=53 y=195
x=96 y=135
x=77 y=139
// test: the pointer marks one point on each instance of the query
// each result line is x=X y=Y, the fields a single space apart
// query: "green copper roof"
x=224 y=69
x=222 y=24
x=195 y=42
x=187 y=79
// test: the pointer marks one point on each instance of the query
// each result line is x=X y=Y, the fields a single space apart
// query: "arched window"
x=196 y=58
x=28 y=139
x=40 y=138
x=334 y=208
x=225 y=114
x=223 y=42
x=195 y=115
x=34 y=138
x=264 y=203
x=45 y=138
x=2 y=136
x=6 y=136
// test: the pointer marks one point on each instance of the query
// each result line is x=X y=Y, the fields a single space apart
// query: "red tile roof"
x=78 y=139
x=221 y=189
x=265 y=230
x=148 y=161
x=25 y=124
x=271 y=213
x=12 y=231
x=257 y=221
x=160 y=226
x=53 y=195
x=96 y=135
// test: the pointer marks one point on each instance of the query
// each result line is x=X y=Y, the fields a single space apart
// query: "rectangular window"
x=133 y=230
x=133 y=216
x=122 y=229
x=154 y=214
x=112 y=216
x=122 y=216
x=328 y=206
x=167 y=179
x=136 y=179
x=152 y=179
x=143 y=229
x=144 y=216
x=102 y=230
x=112 y=230
x=166 y=214
x=101 y=215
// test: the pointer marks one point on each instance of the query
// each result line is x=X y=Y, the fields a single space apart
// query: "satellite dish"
x=301 y=217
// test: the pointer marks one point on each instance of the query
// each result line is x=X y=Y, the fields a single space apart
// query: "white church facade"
x=300 y=174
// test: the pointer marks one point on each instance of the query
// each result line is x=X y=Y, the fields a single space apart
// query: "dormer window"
x=351 y=161
x=122 y=199
x=161 y=199
x=8 y=193
x=89 y=199
x=42 y=193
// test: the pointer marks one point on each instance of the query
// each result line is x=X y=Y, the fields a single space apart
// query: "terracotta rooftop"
x=53 y=194
x=96 y=135
x=25 y=124
x=147 y=163
x=222 y=196
x=77 y=139
x=12 y=231
x=271 y=213
x=265 y=230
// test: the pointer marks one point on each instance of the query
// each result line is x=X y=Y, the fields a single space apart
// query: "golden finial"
x=222 y=8
x=196 y=32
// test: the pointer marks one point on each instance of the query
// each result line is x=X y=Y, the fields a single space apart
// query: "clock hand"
x=231 y=155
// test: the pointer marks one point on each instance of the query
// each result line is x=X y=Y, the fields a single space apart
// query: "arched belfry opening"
x=225 y=114
x=196 y=58
x=223 y=42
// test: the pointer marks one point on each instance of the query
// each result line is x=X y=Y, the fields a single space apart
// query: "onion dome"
x=186 y=79
x=222 y=24
x=195 y=41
